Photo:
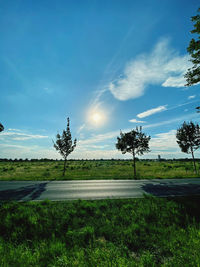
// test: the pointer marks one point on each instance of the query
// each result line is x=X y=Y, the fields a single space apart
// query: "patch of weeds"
x=46 y=174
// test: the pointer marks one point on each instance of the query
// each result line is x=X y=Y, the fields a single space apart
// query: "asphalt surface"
x=96 y=189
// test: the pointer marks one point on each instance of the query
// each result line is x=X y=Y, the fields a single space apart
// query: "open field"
x=139 y=232
x=98 y=169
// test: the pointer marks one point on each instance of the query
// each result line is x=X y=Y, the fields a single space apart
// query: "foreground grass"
x=136 y=232
x=102 y=169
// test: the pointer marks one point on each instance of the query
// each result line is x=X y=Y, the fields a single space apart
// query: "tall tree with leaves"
x=193 y=74
x=1 y=127
x=134 y=142
x=188 y=138
x=64 y=144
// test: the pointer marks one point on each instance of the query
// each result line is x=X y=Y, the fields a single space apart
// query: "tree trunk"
x=134 y=167
x=65 y=161
x=195 y=169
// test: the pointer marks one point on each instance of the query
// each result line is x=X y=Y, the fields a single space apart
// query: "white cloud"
x=163 y=144
x=151 y=111
x=162 y=66
x=177 y=81
x=99 y=154
x=164 y=141
x=99 y=138
x=180 y=119
x=31 y=151
x=113 y=135
x=191 y=96
x=136 y=121
x=19 y=136
x=17 y=130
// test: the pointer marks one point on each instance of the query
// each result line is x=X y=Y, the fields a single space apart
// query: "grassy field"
x=102 y=169
x=136 y=232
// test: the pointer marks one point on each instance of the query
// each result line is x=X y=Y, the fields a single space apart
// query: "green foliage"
x=92 y=170
x=134 y=232
x=64 y=144
x=1 y=127
x=134 y=142
x=193 y=74
x=188 y=138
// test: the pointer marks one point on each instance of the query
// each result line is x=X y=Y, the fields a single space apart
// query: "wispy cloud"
x=163 y=144
x=81 y=128
x=16 y=130
x=27 y=151
x=162 y=66
x=177 y=81
x=164 y=141
x=99 y=154
x=191 y=96
x=19 y=136
x=180 y=119
x=99 y=138
x=113 y=135
x=151 y=111
x=136 y=121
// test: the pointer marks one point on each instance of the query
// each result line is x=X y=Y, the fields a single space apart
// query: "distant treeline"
x=49 y=160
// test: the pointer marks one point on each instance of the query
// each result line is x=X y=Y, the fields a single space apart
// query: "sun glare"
x=97 y=118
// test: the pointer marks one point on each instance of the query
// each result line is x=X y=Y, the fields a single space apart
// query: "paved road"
x=96 y=189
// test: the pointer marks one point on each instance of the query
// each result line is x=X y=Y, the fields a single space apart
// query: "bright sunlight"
x=96 y=117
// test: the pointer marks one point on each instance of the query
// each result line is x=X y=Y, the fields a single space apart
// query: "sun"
x=96 y=117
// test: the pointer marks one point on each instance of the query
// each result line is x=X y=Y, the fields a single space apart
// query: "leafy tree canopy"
x=193 y=74
x=1 y=127
x=134 y=142
x=188 y=137
x=64 y=144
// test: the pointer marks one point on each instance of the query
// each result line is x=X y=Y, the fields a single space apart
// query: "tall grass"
x=102 y=169
x=136 y=232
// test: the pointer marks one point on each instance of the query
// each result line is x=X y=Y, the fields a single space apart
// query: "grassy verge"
x=102 y=169
x=136 y=232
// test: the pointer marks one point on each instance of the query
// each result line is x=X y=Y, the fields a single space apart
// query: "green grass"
x=135 y=232
x=102 y=169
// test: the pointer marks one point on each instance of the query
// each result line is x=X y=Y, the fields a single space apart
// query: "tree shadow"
x=169 y=189
x=186 y=196
x=30 y=192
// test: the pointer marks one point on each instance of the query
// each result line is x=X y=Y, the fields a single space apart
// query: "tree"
x=1 y=127
x=134 y=142
x=188 y=139
x=193 y=74
x=64 y=144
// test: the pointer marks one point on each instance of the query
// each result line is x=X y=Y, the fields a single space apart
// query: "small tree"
x=64 y=144
x=1 y=127
x=134 y=142
x=193 y=74
x=188 y=138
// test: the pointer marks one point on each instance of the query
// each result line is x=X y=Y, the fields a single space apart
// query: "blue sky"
x=108 y=65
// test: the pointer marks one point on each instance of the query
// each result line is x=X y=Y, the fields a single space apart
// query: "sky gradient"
x=121 y=61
